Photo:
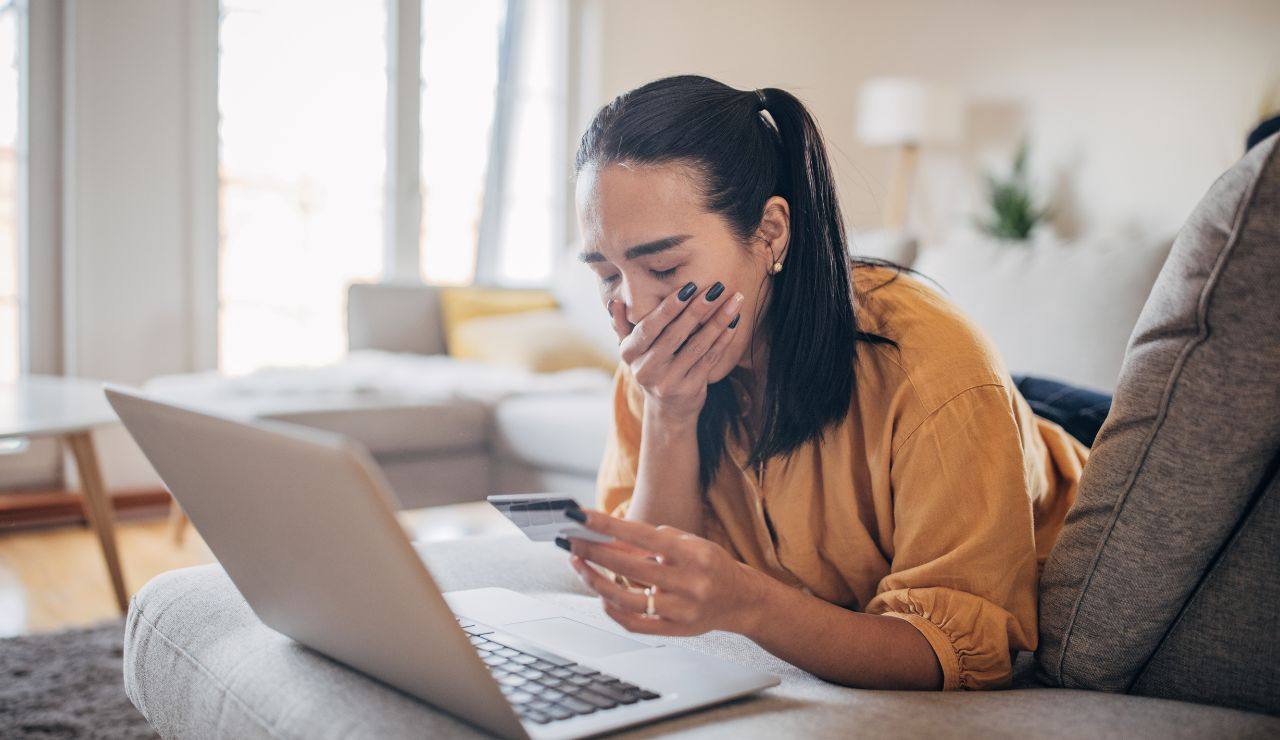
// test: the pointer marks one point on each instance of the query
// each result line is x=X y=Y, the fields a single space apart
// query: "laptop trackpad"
x=562 y=634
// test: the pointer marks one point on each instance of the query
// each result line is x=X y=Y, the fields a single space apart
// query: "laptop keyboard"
x=543 y=687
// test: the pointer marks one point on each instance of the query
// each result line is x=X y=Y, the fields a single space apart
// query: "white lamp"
x=906 y=113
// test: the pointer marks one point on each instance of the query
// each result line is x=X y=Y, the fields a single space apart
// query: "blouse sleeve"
x=616 y=479
x=963 y=567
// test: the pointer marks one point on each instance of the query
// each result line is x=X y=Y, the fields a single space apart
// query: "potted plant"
x=1015 y=211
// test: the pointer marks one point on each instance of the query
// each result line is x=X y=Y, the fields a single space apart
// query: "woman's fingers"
x=659 y=541
x=618 y=314
x=701 y=344
x=700 y=372
x=680 y=332
x=640 y=624
x=627 y=607
x=633 y=549
x=626 y=598
x=634 y=567
x=645 y=333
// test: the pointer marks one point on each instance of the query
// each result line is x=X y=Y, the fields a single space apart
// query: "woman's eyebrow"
x=640 y=250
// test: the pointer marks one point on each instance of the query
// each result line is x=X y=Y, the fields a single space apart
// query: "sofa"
x=1159 y=601
x=443 y=430
x=198 y=663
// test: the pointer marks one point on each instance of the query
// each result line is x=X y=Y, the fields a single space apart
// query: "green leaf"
x=1014 y=212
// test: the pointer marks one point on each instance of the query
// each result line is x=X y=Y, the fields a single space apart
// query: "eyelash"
x=660 y=274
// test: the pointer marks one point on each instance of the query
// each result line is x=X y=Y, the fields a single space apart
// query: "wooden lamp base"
x=901 y=179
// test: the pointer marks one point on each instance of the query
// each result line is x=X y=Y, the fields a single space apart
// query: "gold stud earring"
x=776 y=268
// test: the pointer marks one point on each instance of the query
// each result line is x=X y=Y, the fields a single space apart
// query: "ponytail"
x=750 y=146
x=810 y=322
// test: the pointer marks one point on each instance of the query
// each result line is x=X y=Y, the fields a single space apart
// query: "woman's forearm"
x=667 y=489
x=868 y=651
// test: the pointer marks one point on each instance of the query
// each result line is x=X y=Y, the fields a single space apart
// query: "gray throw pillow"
x=1177 y=475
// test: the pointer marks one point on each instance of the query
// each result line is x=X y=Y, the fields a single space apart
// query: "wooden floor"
x=55 y=578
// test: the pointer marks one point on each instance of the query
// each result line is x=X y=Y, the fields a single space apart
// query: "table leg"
x=177 y=522
x=97 y=508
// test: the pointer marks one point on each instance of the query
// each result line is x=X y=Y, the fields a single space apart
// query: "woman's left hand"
x=699 y=585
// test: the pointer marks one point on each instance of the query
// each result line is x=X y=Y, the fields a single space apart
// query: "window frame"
x=21 y=180
x=40 y=187
x=40 y=223
x=402 y=187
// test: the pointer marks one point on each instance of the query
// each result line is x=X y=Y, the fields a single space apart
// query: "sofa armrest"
x=394 y=317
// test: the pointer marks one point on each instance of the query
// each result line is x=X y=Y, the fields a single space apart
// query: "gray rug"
x=67 y=685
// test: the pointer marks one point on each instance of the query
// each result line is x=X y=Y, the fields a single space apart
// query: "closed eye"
x=660 y=274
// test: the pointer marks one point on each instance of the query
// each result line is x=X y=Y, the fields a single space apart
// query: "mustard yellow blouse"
x=936 y=499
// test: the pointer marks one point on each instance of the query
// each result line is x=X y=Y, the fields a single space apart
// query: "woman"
x=825 y=457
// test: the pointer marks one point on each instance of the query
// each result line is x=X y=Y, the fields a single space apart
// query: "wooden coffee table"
x=69 y=409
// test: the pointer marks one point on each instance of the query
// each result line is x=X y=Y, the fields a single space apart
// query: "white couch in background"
x=1055 y=308
x=443 y=430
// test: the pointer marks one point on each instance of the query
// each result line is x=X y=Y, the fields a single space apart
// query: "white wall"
x=125 y=196
x=126 y=245
x=1133 y=108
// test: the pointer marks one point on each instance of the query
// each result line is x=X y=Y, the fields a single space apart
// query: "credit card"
x=541 y=516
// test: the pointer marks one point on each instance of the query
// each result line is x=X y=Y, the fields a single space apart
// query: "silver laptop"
x=304 y=523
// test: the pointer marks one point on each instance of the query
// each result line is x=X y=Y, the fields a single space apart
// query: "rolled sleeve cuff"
x=942 y=647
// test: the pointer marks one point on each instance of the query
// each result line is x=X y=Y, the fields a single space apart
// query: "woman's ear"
x=775 y=229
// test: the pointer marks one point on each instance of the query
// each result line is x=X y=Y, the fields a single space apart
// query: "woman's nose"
x=638 y=303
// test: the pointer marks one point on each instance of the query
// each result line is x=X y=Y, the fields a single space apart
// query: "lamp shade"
x=895 y=110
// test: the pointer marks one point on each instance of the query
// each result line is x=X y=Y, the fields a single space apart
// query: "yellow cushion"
x=543 y=341
x=459 y=305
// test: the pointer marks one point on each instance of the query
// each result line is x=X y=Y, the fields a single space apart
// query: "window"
x=302 y=155
x=530 y=202
x=458 y=103
x=303 y=147
x=10 y=160
x=492 y=163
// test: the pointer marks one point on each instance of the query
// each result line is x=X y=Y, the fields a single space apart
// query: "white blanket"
x=369 y=378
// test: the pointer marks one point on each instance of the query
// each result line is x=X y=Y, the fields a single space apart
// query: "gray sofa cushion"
x=395 y=318
x=394 y=427
x=198 y=663
x=1186 y=452
x=1209 y=658
x=554 y=431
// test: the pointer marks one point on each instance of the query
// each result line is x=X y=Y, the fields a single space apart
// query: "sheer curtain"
x=304 y=147
x=493 y=167
x=460 y=53
x=302 y=154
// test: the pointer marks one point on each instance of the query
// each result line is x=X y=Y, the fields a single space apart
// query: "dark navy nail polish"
x=715 y=291
x=735 y=321
x=687 y=291
x=578 y=515
x=562 y=543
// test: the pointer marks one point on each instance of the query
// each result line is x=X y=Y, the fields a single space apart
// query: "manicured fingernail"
x=687 y=291
x=715 y=291
x=578 y=515
x=562 y=543
x=735 y=321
